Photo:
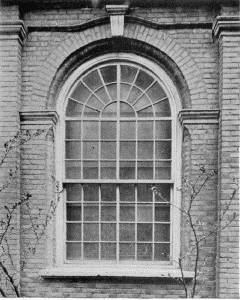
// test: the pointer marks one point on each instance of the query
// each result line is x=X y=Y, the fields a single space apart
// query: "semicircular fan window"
x=118 y=145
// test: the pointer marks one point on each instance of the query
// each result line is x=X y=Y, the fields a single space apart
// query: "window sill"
x=115 y=271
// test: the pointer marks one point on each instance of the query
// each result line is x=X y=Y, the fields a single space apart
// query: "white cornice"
x=13 y=30
x=188 y=116
x=38 y=117
x=226 y=25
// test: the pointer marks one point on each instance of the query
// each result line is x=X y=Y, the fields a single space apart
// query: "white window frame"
x=175 y=104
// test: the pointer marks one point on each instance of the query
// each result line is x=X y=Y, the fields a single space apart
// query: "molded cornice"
x=38 y=117
x=13 y=30
x=198 y=116
x=101 y=3
x=128 y=19
x=226 y=25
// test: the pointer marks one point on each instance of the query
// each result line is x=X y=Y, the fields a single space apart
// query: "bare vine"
x=9 y=269
x=200 y=236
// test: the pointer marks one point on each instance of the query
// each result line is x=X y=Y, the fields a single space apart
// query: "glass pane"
x=156 y=92
x=142 y=103
x=108 y=150
x=127 y=150
x=93 y=80
x=90 y=130
x=91 y=232
x=162 y=109
x=144 y=213
x=126 y=111
x=109 y=73
x=143 y=80
x=146 y=112
x=74 y=232
x=74 y=192
x=91 y=250
x=108 y=251
x=127 y=213
x=127 y=192
x=89 y=112
x=74 y=251
x=127 y=130
x=90 y=192
x=163 y=150
x=102 y=95
x=145 y=130
x=127 y=232
x=128 y=73
x=162 y=232
x=162 y=252
x=73 y=169
x=90 y=169
x=95 y=103
x=144 y=192
x=162 y=213
x=81 y=92
x=124 y=91
x=127 y=252
x=74 y=109
x=163 y=170
x=73 y=130
x=108 y=232
x=145 y=150
x=90 y=150
x=73 y=150
x=108 y=130
x=144 y=252
x=74 y=212
x=134 y=95
x=145 y=170
x=108 y=213
x=110 y=110
x=162 y=192
x=144 y=232
x=108 y=192
x=112 y=90
x=163 y=129
x=91 y=213
x=108 y=169
x=127 y=170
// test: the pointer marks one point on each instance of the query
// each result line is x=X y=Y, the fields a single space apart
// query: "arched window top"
x=118 y=89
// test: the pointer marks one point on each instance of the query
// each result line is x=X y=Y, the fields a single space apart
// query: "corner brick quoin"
x=154 y=38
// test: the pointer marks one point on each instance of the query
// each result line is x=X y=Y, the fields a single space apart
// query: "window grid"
x=118 y=221
x=118 y=180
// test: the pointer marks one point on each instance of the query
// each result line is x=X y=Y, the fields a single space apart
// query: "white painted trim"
x=175 y=104
x=126 y=271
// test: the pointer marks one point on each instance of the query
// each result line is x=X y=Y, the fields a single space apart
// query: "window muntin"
x=118 y=146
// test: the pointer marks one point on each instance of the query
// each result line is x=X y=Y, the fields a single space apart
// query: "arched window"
x=119 y=147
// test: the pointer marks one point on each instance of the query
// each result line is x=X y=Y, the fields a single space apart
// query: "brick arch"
x=138 y=39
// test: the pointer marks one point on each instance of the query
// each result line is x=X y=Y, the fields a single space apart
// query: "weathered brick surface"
x=10 y=91
x=211 y=72
x=229 y=91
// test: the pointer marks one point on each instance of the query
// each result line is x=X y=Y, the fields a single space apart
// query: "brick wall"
x=32 y=80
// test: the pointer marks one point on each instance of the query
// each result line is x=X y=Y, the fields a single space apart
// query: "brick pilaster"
x=12 y=36
x=227 y=35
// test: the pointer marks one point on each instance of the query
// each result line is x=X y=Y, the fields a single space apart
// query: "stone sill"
x=115 y=271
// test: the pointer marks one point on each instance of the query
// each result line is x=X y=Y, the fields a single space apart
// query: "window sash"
x=118 y=222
